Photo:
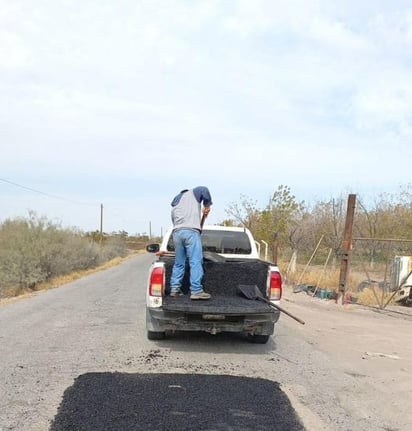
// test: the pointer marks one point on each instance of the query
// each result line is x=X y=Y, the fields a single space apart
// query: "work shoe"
x=200 y=295
x=176 y=293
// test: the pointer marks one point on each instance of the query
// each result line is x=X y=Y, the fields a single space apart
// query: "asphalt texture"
x=223 y=278
x=121 y=402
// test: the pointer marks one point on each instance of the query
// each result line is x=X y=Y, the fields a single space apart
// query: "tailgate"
x=235 y=305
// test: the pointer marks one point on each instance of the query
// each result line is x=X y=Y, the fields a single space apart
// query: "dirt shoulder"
x=369 y=344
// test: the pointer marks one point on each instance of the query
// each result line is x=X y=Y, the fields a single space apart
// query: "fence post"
x=275 y=247
x=346 y=246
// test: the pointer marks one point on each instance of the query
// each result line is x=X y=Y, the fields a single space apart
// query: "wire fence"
x=386 y=267
x=379 y=274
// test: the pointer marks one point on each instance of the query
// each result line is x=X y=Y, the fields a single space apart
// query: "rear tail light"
x=156 y=282
x=275 y=286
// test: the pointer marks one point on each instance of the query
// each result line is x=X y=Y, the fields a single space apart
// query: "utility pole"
x=150 y=230
x=346 y=246
x=101 y=220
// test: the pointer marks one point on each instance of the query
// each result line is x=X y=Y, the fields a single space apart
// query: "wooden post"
x=275 y=248
x=346 y=246
x=310 y=260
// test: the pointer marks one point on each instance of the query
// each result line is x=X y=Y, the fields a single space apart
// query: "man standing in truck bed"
x=186 y=218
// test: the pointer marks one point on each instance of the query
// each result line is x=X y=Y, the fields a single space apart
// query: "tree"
x=281 y=216
x=283 y=213
x=244 y=213
x=328 y=219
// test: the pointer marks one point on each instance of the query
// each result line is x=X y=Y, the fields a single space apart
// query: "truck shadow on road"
x=122 y=402
x=223 y=342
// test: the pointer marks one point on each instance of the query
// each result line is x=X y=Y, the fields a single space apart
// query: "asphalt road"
x=77 y=358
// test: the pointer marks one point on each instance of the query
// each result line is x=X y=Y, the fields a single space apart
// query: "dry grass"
x=370 y=296
x=328 y=279
x=324 y=279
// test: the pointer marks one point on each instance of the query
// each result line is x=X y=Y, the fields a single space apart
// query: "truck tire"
x=407 y=301
x=152 y=335
x=258 y=339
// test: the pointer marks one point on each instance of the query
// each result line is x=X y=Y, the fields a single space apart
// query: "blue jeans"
x=187 y=245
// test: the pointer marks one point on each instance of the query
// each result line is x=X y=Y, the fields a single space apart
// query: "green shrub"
x=35 y=250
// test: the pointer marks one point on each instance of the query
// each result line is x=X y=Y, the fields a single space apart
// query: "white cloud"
x=337 y=35
x=248 y=18
x=12 y=52
x=386 y=104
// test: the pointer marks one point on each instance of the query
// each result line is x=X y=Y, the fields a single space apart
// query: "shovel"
x=253 y=292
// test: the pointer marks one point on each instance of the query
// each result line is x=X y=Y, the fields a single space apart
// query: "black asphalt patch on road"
x=122 y=402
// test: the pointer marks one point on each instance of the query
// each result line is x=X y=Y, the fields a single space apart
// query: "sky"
x=125 y=103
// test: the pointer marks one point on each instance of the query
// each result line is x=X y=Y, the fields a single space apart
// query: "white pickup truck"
x=230 y=260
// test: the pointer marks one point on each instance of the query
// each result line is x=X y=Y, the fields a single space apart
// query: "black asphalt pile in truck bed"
x=221 y=280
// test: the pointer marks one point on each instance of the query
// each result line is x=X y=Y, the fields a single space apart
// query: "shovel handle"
x=202 y=222
x=165 y=253
x=284 y=311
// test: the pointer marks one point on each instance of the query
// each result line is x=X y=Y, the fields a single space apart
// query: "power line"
x=45 y=194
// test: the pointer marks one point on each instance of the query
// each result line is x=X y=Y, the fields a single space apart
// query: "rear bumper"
x=159 y=320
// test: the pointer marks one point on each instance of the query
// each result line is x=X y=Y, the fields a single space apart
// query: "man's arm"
x=202 y=195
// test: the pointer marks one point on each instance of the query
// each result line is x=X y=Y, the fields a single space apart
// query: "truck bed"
x=221 y=280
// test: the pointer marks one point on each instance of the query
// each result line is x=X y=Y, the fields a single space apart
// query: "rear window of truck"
x=222 y=242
